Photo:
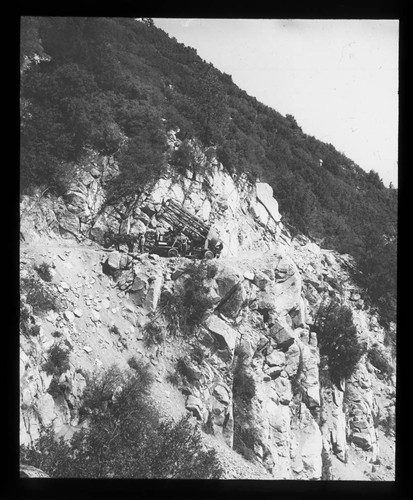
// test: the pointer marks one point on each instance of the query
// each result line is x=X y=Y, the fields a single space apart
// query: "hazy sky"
x=338 y=78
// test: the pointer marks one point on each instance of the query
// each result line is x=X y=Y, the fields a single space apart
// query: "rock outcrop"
x=263 y=295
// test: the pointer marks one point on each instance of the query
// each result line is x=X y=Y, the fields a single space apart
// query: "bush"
x=186 y=308
x=378 y=358
x=26 y=321
x=173 y=378
x=326 y=467
x=183 y=369
x=125 y=438
x=39 y=296
x=57 y=389
x=198 y=354
x=208 y=426
x=34 y=330
x=244 y=390
x=153 y=334
x=142 y=372
x=44 y=271
x=114 y=329
x=389 y=425
x=243 y=383
x=58 y=361
x=337 y=339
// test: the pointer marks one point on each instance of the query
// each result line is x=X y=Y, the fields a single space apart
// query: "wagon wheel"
x=173 y=252
x=208 y=254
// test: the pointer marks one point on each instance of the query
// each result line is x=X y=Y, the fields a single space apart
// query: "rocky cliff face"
x=263 y=294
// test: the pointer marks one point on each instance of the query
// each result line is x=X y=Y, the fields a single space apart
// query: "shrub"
x=244 y=440
x=337 y=338
x=153 y=334
x=57 y=389
x=243 y=383
x=208 y=426
x=326 y=467
x=142 y=372
x=198 y=354
x=26 y=321
x=44 y=271
x=183 y=368
x=389 y=425
x=114 y=329
x=379 y=359
x=58 y=361
x=125 y=438
x=186 y=308
x=34 y=330
x=39 y=296
x=196 y=300
x=244 y=390
x=173 y=378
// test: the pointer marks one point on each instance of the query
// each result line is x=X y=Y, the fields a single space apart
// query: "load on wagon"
x=188 y=237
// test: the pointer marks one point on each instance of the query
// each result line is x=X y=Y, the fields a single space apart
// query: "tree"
x=30 y=42
x=212 y=108
x=337 y=338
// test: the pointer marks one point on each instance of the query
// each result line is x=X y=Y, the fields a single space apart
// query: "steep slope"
x=119 y=85
x=241 y=353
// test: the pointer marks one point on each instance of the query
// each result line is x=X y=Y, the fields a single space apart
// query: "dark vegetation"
x=114 y=329
x=186 y=306
x=337 y=339
x=57 y=361
x=39 y=295
x=153 y=334
x=44 y=271
x=379 y=359
x=27 y=323
x=117 y=86
x=243 y=389
x=125 y=438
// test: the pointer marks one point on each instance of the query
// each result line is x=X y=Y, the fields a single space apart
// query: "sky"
x=338 y=78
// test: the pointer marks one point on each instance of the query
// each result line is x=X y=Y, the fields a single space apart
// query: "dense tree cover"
x=125 y=438
x=117 y=86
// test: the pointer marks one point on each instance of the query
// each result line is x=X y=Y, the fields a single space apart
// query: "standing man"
x=141 y=235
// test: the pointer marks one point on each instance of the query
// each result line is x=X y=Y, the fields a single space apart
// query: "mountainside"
x=119 y=85
x=282 y=349
x=241 y=352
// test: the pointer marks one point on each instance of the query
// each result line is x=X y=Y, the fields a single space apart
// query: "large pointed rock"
x=225 y=335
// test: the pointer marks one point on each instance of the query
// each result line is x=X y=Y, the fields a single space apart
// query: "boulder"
x=362 y=440
x=225 y=335
x=264 y=194
x=282 y=388
x=313 y=396
x=282 y=334
x=31 y=472
x=221 y=393
x=273 y=372
x=276 y=358
x=249 y=275
x=114 y=260
x=278 y=415
x=196 y=406
x=140 y=283
x=261 y=280
x=154 y=293
x=69 y=316
x=46 y=409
